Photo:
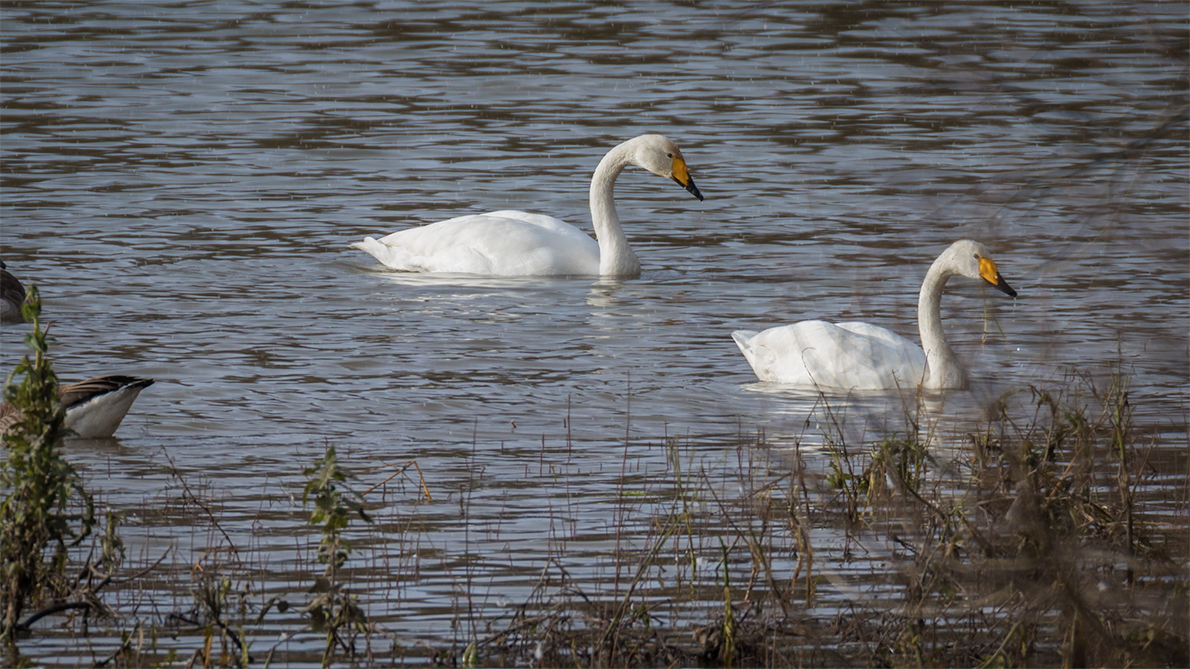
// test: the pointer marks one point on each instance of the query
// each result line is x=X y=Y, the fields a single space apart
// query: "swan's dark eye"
x=975 y=255
x=669 y=155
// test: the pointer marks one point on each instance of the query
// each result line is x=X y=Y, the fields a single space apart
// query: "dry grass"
x=1030 y=550
x=1043 y=539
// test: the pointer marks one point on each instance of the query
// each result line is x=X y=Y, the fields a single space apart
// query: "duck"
x=12 y=296
x=94 y=407
x=860 y=356
x=511 y=243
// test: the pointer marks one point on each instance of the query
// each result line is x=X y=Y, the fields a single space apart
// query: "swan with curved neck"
x=866 y=357
x=517 y=243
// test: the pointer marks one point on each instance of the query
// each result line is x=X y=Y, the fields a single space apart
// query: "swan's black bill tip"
x=1002 y=286
x=690 y=187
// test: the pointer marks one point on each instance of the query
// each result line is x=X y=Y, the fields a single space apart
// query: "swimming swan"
x=517 y=243
x=862 y=356
x=94 y=408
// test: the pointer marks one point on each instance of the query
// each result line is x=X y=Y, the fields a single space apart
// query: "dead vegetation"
x=1030 y=539
x=1030 y=549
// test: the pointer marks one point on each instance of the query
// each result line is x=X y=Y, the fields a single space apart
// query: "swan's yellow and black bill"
x=683 y=178
x=989 y=272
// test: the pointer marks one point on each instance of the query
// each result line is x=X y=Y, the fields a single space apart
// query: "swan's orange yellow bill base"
x=683 y=178
x=987 y=270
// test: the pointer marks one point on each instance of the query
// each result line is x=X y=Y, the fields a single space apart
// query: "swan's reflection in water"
x=830 y=419
x=603 y=294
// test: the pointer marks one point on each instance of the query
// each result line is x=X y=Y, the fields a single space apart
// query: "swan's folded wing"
x=834 y=356
x=887 y=359
x=503 y=243
x=821 y=354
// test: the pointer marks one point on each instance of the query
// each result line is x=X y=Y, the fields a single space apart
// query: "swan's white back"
x=847 y=356
x=502 y=243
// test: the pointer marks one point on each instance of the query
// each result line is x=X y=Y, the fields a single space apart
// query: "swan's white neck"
x=942 y=367
x=615 y=256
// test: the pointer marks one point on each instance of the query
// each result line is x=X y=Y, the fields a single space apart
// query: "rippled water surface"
x=183 y=180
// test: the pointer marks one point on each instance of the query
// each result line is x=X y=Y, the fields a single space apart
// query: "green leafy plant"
x=333 y=611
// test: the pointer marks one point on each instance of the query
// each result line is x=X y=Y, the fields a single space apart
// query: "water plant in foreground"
x=45 y=508
x=1041 y=534
x=1003 y=542
x=333 y=611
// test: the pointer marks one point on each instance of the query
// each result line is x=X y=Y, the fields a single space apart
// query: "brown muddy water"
x=183 y=180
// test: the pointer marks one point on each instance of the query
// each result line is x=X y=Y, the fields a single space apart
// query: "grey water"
x=182 y=182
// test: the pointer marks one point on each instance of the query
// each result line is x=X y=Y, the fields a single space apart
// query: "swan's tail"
x=743 y=339
x=391 y=257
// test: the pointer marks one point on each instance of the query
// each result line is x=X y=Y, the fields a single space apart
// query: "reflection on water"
x=183 y=183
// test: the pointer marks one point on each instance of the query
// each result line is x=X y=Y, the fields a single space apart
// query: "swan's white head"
x=659 y=155
x=971 y=259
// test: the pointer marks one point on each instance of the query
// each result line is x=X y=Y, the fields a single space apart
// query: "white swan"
x=516 y=243
x=866 y=357
x=94 y=408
